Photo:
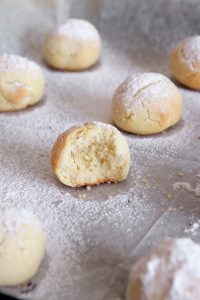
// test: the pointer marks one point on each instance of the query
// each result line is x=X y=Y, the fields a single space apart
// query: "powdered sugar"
x=169 y=270
x=13 y=219
x=152 y=267
x=80 y=30
x=191 y=50
x=16 y=84
x=104 y=125
x=14 y=63
x=147 y=86
x=194 y=228
x=185 y=185
x=97 y=123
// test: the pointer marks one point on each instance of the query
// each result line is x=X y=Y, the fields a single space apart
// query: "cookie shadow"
x=94 y=67
x=164 y=134
x=36 y=166
x=102 y=192
x=182 y=86
x=27 y=109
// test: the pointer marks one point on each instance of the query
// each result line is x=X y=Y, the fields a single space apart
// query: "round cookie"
x=75 y=45
x=90 y=154
x=171 y=271
x=22 y=246
x=21 y=82
x=185 y=62
x=146 y=103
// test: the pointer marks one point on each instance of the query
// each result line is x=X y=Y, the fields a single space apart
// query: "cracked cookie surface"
x=146 y=103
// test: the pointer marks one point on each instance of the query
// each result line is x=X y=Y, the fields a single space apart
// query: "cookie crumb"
x=180 y=174
x=27 y=287
x=81 y=196
x=183 y=185
x=171 y=209
x=169 y=196
x=144 y=180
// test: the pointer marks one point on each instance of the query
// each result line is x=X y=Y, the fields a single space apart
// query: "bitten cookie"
x=22 y=246
x=75 y=45
x=146 y=103
x=90 y=154
x=185 y=62
x=170 y=272
x=21 y=82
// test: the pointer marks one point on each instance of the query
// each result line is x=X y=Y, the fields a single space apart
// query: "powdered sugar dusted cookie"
x=185 y=62
x=21 y=82
x=22 y=246
x=74 y=45
x=90 y=154
x=171 y=271
x=146 y=103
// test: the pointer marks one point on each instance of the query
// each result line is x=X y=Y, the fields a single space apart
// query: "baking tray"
x=93 y=242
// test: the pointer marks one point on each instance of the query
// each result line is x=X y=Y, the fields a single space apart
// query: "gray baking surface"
x=93 y=242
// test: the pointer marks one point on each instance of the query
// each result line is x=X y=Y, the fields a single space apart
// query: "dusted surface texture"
x=93 y=241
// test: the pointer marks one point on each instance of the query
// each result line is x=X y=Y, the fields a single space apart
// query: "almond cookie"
x=74 y=45
x=90 y=154
x=146 y=103
x=21 y=82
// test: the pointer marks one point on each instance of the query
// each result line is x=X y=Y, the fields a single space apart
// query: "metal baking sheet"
x=93 y=242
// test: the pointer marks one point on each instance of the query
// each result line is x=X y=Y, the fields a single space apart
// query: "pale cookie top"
x=140 y=85
x=14 y=63
x=12 y=219
x=174 y=263
x=97 y=123
x=103 y=125
x=77 y=29
x=190 y=49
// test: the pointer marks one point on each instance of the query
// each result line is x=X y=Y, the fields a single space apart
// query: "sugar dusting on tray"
x=193 y=50
x=12 y=219
x=87 y=239
x=194 y=228
x=74 y=227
